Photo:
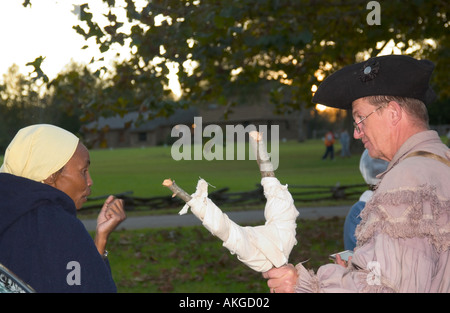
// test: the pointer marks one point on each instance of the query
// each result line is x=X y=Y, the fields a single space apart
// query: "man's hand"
x=282 y=279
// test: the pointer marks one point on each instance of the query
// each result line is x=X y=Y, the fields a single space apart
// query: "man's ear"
x=395 y=112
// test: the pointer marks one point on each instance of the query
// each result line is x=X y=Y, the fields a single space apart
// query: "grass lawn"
x=143 y=170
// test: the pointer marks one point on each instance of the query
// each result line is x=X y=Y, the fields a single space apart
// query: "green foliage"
x=279 y=44
x=79 y=92
x=227 y=52
x=37 y=69
x=23 y=101
x=26 y=3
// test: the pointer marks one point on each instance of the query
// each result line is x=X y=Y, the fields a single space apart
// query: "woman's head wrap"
x=38 y=151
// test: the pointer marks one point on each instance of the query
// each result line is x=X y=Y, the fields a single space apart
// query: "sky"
x=45 y=30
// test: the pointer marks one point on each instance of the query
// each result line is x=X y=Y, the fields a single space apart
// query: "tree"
x=230 y=51
x=25 y=101
x=78 y=92
x=20 y=102
x=225 y=50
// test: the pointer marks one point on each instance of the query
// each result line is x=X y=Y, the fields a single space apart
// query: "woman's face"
x=74 y=178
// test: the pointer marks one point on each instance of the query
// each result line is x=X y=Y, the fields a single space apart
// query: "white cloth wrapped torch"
x=260 y=247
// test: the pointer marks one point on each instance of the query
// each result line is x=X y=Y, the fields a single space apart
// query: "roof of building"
x=139 y=122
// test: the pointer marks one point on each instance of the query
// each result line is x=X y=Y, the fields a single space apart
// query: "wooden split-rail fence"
x=300 y=193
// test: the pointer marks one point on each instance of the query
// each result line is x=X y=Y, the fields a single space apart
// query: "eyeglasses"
x=356 y=124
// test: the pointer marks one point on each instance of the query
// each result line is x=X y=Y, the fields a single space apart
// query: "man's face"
x=374 y=131
x=74 y=179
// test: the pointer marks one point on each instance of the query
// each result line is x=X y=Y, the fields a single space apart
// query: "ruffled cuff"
x=307 y=281
x=333 y=278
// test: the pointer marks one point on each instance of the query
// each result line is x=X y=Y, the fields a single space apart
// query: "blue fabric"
x=40 y=235
x=352 y=220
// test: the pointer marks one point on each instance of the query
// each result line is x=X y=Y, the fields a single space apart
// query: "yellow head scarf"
x=38 y=151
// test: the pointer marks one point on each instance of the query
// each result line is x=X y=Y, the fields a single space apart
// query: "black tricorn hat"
x=390 y=75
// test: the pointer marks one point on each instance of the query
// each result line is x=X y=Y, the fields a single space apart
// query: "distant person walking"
x=329 y=145
x=344 y=138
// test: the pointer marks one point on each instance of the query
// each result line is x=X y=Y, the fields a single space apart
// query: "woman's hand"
x=111 y=215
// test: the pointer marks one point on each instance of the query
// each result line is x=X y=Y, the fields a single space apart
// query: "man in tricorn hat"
x=403 y=241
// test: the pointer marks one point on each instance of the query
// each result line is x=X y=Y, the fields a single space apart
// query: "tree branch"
x=177 y=191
